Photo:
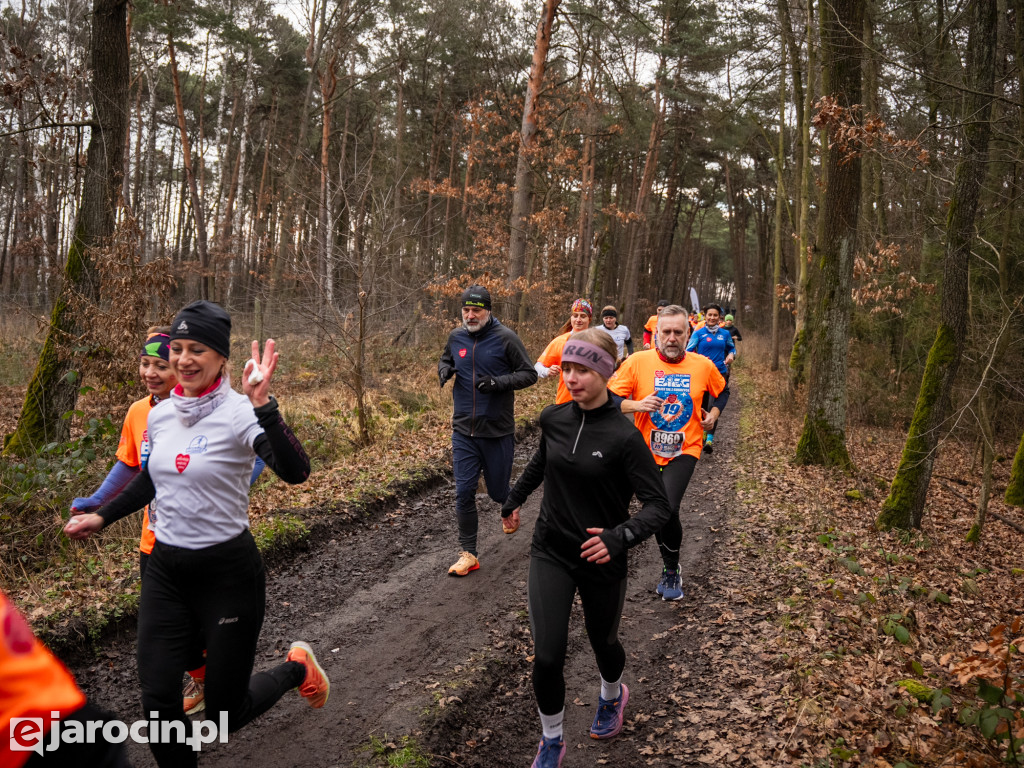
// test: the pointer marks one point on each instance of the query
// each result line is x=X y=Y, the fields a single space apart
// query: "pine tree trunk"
x=904 y=508
x=52 y=392
x=798 y=355
x=524 y=181
x=198 y=217
x=780 y=192
x=823 y=440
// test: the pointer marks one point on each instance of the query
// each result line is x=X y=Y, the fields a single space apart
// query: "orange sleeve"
x=623 y=381
x=131 y=432
x=552 y=354
x=135 y=425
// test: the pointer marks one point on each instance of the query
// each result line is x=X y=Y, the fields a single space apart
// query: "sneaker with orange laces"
x=467 y=562
x=194 y=695
x=315 y=687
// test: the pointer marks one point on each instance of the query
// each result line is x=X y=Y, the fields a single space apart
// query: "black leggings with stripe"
x=552 y=588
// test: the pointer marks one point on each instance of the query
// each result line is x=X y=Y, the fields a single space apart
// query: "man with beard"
x=663 y=389
x=489 y=362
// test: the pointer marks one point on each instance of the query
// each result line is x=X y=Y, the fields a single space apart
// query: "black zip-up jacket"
x=592 y=463
x=488 y=367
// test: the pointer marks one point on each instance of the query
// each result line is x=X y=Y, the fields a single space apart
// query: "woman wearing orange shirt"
x=550 y=361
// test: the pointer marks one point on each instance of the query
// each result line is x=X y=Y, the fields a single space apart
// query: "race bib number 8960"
x=668 y=445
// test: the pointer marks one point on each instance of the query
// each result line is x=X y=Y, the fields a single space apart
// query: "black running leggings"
x=676 y=476
x=552 y=588
x=707 y=402
x=214 y=596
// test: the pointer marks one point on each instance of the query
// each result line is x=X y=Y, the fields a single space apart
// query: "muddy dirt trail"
x=412 y=651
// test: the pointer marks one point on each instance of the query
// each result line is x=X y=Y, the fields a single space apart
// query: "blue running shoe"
x=549 y=753
x=709 y=443
x=610 y=715
x=671 y=586
x=666 y=580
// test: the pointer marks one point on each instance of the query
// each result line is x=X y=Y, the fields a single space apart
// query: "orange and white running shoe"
x=467 y=562
x=194 y=696
x=316 y=687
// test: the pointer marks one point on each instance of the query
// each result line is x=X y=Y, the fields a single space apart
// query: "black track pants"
x=470 y=455
x=214 y=596
x=676 y=476
x=708 y=400
x=552 y=588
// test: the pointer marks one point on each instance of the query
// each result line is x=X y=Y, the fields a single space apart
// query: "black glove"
x=616 y=542
x=487 y=384
x=443 y=374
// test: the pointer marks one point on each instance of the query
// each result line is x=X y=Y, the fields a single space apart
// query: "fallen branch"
x=1016 y=526
x=1000 y=518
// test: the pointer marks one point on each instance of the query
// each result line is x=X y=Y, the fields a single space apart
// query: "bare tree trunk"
x=904 y=508
x=823 y=440
x=634 y=247
x=328 y=84
x=780 y=191
x=524 y=181
x=52 y=392
x=197 y=204
x=237 y=244
x=798 y=356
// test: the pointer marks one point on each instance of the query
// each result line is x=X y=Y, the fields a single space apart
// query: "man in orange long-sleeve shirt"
x=663 y=389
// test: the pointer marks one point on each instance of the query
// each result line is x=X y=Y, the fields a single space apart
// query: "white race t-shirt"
x=620 y=333
x=201 y=473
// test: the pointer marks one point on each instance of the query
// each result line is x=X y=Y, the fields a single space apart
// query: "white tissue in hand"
x=257 y=375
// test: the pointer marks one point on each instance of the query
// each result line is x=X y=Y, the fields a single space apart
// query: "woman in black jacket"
x=592 y=460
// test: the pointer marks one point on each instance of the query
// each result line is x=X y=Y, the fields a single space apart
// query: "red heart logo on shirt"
x=462 y=352
x=181 y=461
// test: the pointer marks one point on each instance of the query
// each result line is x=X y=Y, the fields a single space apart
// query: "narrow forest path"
x=412 y=651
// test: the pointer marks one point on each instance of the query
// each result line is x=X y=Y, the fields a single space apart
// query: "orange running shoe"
x=467 y=562
x=194 y=696
x=316 y=687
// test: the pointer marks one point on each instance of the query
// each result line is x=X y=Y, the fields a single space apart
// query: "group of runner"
x=192 y=447
x=592 y=461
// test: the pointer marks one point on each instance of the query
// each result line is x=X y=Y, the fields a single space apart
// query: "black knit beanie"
x=205 y=322
x=476 y=296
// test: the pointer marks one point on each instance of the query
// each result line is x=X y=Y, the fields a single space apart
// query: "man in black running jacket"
x=489 y=362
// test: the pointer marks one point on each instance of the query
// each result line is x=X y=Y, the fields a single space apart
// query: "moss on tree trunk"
x=904 y=508
x=821 y=444
x=52 y=393
x=798 y=359
x=1015 y=488
x=910 y=486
